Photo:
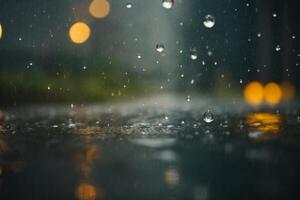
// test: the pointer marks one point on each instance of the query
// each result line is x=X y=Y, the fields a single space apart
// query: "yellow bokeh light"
x=79 y=32
x=86 y=191
x=272 y=93
x=264 y=122
x=253 y=93
x=0 y=31
x=288 y=91
x=99 y=8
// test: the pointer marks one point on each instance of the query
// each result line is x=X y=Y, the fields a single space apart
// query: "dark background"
x=39 y=63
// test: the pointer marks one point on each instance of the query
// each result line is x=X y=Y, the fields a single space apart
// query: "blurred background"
x=97 y=50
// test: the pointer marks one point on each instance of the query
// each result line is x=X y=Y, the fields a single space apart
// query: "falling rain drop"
x=258 y=34
x=208 y=117
x=160 y=47
x=209 y=21
x=193 y=54
x=128 y=5
x=188 y=98
x=168 y=4
x=277 y=48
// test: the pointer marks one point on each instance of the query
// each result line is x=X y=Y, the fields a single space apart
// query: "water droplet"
x=168 y=4
x=277 y=48
x=208 y=117
x=209 y=53
x=128 y=5
x=193 y=54
x=160 y=47
x=192 y=81
x=188 y=98
x=258 y=34
x=274 y=15
x=209 y=21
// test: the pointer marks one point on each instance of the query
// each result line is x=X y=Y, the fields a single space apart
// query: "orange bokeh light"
x=99 y=8
x=254 y=93
x=272 y=93
x=86 y=191
x=0 y=31
x=79 y=32
x=288 y=91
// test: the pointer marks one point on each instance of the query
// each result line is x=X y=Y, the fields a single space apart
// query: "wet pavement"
x=159 y=148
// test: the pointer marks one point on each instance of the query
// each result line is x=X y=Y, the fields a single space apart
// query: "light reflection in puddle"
x=87 y=191
x=172 y=177
x=154 y=142
x=84 y=162
x=262 y=125
x=167 y=156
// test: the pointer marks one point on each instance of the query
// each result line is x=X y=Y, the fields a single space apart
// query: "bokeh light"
x=86 y=191
x=99 y=8
x=0 y=31
x=254 y=93
x=171 y=177
x=79 y=32
x=288 y=91
x=272 y=93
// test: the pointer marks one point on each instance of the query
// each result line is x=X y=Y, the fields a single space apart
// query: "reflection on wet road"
x=149 y=151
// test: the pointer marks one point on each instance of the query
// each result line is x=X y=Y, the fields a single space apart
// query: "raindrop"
x=128 y=5
x=209 y=53
x=193 y=54
x=168 y=4
x=209 y=21
x=188 y=98
x=160 y=47
x=277 y=48
x=258 y=34
x=274 y=15
x=208 y=117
